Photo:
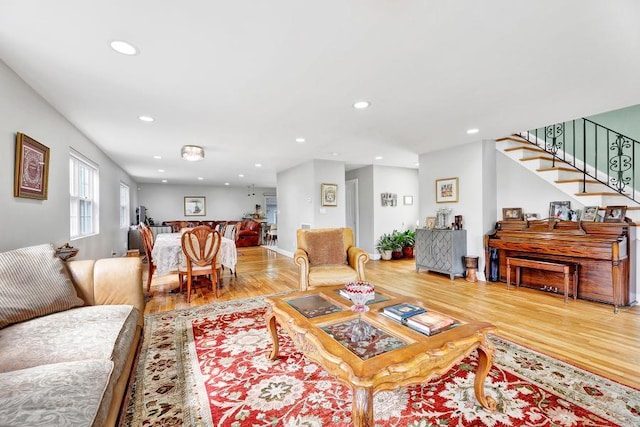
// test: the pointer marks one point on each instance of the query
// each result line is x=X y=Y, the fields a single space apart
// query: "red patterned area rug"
x=208 y=366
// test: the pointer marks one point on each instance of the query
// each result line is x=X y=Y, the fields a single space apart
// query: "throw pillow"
x=34 y=282
x=326 y=247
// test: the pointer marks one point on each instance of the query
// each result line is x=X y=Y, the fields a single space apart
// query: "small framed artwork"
x=431 y=222
x=512 y=214
x=615 y=213
x=408 y=200
x=446 y=190
x=329 y=194
x=531 y=216
x=31 y=168
x=389 y=199
x=589 y=214
x=195 y=206
x=560 y=210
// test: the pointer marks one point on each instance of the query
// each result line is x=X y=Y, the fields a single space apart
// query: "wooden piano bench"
x=567 y=268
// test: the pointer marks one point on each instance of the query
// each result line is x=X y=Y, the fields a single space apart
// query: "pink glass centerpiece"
x=359 y=293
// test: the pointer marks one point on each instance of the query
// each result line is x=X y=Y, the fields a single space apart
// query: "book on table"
x=430 y=322
x=402 y=311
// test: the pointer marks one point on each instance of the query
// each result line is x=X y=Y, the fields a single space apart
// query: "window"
x=124 y=206
x=83 y=191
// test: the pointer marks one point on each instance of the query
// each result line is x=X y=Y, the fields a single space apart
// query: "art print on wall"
x=329 y=194
x=195 y=206
x=446 y=190
x=31 y=168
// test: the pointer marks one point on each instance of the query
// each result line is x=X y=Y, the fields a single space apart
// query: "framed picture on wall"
x=195 y=206
x=329 y=194
x=446 y=190
x=31 y=168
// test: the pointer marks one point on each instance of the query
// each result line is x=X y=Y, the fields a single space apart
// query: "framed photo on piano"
x=589 y=214
x=512 y=214
x=615 y=213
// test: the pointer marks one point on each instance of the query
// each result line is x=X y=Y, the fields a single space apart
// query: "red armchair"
x=248 y=233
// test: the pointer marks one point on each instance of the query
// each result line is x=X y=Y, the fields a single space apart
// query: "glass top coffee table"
x=371 y=352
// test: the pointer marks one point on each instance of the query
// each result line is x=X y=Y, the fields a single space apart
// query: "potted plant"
x=398 y=240
x=385 y=245
x=409 y=243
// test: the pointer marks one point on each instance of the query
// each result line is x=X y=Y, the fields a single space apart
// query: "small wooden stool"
x=557 y=266
x=471 y=262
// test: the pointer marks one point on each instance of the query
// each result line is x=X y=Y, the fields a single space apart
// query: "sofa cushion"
x=59 y=394
x=92 y=332
x=33 y=283
x=326 y=247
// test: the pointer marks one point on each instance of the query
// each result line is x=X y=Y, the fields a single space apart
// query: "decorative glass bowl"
x=359 y=293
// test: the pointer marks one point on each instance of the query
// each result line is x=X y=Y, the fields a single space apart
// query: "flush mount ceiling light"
x=361 y=105
x=147 y=119
x=123 y=47
x=192 y=153
x=472 y=131
x=300 y=140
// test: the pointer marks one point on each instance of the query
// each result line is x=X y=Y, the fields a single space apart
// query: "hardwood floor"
x=583 y=333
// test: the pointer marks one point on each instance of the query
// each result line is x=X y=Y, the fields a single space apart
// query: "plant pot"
x=396 y=254
x=385 y=255
x=407 y=251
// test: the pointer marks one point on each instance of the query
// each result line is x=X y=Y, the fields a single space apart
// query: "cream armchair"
x=327 y=256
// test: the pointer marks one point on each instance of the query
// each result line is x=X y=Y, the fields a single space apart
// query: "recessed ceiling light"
x=258 y=165
x=160 y=170
x=164 y=180
x=379 y=157
x=300 y=140
x=123 y=47
x=361 y=104
x=472 y=131
x=157 y=157
x=200 y=178
x=226 y=183
x=241 y=175
x=334 y=154
x=147 y=119
x=417 y=163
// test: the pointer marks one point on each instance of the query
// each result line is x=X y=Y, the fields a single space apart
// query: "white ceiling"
x=245 y=78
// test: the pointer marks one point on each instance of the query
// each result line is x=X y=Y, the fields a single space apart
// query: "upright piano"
x=601 y=251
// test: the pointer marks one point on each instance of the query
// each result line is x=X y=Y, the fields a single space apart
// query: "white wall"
x=165 y=202
x=299 y=190
x=475 y=189
x=25 y=222
x=400 y=181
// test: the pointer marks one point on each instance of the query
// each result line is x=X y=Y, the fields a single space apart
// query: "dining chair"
x=230 y=231
x=200 y=247
x=272 y=234
x=147 y=242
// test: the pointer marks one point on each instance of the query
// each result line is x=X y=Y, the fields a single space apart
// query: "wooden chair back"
x=200 y=245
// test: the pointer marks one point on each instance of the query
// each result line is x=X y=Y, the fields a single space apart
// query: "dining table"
x=167 y=253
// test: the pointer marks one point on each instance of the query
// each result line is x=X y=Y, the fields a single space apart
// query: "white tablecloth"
x=167 y=253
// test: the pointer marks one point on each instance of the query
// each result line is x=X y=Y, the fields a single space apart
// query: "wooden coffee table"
x=322 y=326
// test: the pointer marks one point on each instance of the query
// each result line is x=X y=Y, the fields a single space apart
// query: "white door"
x=351 y=200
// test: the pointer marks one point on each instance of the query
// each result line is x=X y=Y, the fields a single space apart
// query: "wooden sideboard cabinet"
x=442 y=251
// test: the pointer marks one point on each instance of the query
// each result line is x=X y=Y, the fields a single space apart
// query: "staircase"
x=566 y=177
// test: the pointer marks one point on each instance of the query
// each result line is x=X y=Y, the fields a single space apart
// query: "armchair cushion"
x=326 y=248
x=34 y=283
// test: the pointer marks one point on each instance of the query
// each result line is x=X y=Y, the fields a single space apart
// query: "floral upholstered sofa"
x=69 y=333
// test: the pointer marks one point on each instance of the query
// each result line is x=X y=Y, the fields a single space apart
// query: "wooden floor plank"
x=583 y=333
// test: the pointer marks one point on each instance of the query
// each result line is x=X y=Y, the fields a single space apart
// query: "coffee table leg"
x=273 y=330
x=362 y=412
x=485 y=360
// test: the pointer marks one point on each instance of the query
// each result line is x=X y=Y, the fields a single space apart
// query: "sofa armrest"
x=109 y=281
x=357 y=258
x=301 y=258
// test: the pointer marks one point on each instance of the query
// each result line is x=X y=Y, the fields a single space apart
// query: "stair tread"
x=601 y=193
x=528 y=146
x=536 y=158
x=559 y=168
x=568 y=181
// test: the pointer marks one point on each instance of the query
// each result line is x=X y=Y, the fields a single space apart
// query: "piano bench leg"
x=508 y=274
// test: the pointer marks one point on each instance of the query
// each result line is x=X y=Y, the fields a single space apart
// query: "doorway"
x=351 y=202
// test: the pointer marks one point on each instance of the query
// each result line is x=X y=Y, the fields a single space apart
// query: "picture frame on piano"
x=615 y=213
x=512 y=214
x=560 y=210
x=589 y=214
